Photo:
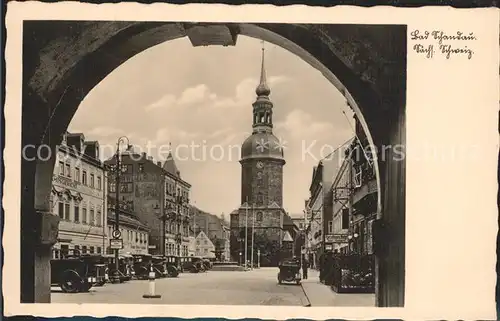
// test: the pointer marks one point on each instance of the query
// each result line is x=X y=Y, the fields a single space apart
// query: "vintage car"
x=174 y=266
x=125 y=270
x=143 y=264
x=77 y=273
x=159 y=266
x=193 y=264
x=207 y=263
x=289 y=271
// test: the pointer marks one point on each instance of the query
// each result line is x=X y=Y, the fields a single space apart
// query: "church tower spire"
x=262 y=107
x=263 y=89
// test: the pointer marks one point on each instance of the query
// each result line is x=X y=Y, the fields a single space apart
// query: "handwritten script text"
x=430 y=43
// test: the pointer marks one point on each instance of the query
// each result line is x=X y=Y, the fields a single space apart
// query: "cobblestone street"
x=258 y=287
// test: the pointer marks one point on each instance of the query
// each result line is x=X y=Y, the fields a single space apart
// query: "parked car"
x=125 y=270
x=174 y=266
x=207 y=263
x=142 y=265
x=159 y=266
x=77 y=273
x=193 y=264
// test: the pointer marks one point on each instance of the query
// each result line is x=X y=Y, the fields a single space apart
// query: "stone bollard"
x=152 y=279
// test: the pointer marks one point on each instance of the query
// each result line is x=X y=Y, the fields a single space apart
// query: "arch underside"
x=64 y=60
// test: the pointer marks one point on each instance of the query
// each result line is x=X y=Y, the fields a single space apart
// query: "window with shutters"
x=61 y=210
x=66 y=212
x=77 y=213
x=98 y=218
x=61 y=168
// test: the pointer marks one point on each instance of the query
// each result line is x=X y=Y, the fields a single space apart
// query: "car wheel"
x=71 y=283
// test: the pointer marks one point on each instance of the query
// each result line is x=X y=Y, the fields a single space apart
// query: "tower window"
x=259 y=216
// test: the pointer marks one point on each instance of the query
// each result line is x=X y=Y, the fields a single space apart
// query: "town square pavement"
x=257 y=287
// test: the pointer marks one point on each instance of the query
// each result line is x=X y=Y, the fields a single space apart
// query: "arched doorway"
x=63 y=61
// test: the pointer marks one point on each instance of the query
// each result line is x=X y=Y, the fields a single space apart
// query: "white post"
x=246 y=233
x=151 y=294
x=258 y=258
x=253 y=232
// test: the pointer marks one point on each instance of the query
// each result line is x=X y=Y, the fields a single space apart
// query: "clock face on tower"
x=260 y=164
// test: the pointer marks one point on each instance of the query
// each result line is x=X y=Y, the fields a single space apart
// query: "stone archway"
x=64 y=60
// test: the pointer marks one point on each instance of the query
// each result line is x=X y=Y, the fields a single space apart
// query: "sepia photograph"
x=247 y=162
x=210 y=158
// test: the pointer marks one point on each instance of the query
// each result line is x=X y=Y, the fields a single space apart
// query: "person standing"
x=305 y=265
x=322 y=267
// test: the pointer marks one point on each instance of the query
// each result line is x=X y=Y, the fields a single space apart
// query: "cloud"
x=195 y=95
x=245 y=92
x=164 y=102
x=103 y=131
x=170 y=134
x=300 y=124
x=220 y=132
x=276 y=80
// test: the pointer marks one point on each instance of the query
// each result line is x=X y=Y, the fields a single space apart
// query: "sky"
x=199 y=100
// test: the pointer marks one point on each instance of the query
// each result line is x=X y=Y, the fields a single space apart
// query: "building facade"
x=314 y=217
x=365 y=194
x=338 y=226
x=135 y=234
x=79 y=197
x=217 y=230
x=204 y=246
x=262 y=162
x=354 y=198
x=179 y=224
x=159 y=198
x=319 y=207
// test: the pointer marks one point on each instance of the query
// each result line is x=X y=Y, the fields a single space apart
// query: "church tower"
x=262 y=162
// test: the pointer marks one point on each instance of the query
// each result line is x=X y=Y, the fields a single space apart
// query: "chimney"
x=158 y=163
x=150 y=158
x=143 y=155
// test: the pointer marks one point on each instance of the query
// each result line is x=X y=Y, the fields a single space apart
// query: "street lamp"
x=116 y=232
x=240 y=257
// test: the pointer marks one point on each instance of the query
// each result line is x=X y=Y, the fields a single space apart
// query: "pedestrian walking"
x=305 y=265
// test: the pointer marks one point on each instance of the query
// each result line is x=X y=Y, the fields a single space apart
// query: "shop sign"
x=336 y=238
x=116 y=244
